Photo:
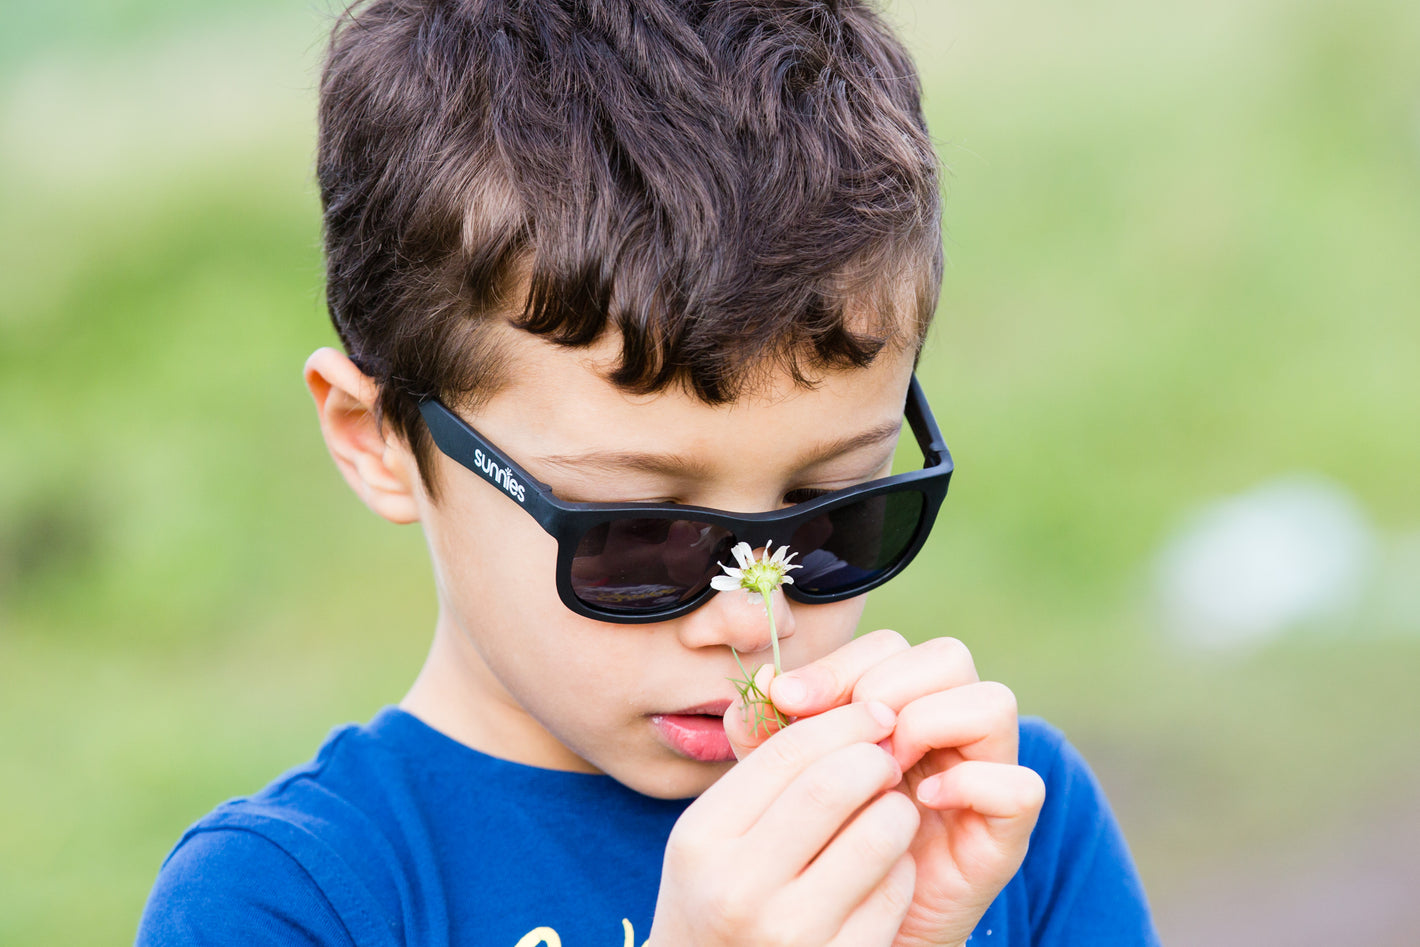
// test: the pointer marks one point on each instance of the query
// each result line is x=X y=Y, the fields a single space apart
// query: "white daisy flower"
x=758 y=577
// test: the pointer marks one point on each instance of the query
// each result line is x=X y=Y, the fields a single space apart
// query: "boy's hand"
x=801 y=844
x=956 y=740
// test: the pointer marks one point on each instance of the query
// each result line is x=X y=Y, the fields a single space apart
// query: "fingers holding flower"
x=759 y=579
x=956 y=739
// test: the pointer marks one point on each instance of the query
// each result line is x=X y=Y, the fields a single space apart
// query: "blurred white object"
x=1295 y=551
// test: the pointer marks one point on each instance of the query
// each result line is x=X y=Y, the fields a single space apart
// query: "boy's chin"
x=676 y=779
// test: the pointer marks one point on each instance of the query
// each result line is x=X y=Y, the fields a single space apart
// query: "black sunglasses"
x=646 y=562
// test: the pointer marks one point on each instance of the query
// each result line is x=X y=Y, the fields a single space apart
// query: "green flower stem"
x=766 y=591
x=758 y=577
x=741 y=666
x=755 y=699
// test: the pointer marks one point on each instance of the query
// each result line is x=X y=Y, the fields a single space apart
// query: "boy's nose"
x=732 y=618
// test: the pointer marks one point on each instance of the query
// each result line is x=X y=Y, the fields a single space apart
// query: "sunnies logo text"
x=500 y=475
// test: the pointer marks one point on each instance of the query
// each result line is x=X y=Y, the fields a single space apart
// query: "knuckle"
x=898 y=888
x=732 y=903
x=786 y=750
x=833 y=680
x=888 y=639
x=726 y=913
x=823 y=792
x=876 y=848
x=686 y=846
x=905 y=811
x=1031 y=791
x=893 y=823
x=1000 y=700
x=776 y=930
x=872 y=761
x=949 y=650
x=845 y=780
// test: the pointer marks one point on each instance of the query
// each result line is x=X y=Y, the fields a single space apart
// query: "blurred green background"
x=1184 y=260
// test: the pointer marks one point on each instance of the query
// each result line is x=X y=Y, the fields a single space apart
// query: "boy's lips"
x=697 y=733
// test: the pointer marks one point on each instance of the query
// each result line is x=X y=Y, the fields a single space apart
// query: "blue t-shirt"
x=396 y=834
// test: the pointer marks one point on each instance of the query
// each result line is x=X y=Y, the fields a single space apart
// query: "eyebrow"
x=679 y=465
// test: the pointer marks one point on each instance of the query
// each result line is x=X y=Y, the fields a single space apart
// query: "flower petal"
x=743 y=554
x=724 y=583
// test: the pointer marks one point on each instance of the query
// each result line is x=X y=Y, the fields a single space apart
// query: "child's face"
x=516 y=674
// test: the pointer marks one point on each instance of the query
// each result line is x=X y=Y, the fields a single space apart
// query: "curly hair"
x=734 y=186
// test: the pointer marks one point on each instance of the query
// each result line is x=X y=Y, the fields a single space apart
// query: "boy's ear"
x=379 y=467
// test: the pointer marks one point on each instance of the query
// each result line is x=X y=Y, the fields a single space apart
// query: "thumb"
x=752 y=719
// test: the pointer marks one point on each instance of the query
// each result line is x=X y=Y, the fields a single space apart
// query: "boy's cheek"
x=821 y=630
x=489 y=543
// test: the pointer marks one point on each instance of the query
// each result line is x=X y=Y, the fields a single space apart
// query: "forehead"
x=559 y=401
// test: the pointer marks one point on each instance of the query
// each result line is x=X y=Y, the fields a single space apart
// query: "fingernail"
x=882 y=713
x=790 y=690
x=885 y=744
x=928 y=789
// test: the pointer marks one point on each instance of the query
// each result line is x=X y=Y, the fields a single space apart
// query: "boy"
x=679 y=255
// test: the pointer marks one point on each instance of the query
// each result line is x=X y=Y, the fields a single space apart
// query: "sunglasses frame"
x=568 y=522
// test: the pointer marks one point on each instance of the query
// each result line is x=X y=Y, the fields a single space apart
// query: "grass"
x=1181 y=262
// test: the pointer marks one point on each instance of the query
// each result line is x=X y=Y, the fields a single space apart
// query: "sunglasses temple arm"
x=457 y=438
x=924 y=426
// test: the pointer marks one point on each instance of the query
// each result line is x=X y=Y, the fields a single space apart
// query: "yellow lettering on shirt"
x=547 y=937
x=540 y=937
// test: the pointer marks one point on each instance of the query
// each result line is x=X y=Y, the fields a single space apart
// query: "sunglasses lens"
x=631 y=566
x=851 y=546
x=642 y=565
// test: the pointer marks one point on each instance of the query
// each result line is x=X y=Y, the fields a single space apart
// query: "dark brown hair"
x=732 y=185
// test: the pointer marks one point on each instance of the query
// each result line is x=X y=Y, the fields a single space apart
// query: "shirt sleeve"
x=1083 y=886
x=235 y=887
